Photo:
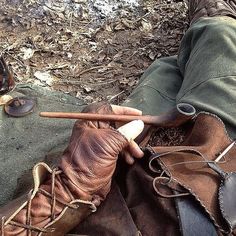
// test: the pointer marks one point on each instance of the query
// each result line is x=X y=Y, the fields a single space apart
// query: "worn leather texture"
x=211 y=8
x=227 y=198
x=89 y=161
x=33 y=212
x=83 y=174
x=135 y=206
x=185 y=166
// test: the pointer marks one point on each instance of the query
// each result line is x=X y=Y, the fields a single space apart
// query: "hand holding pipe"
x=175 y=117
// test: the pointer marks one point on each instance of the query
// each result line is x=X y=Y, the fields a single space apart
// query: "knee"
x=220 y=28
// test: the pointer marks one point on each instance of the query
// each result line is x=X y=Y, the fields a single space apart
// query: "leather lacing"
x=168 y=178
x=54 y=200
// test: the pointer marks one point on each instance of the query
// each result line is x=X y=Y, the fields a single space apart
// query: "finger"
x=132 y=129
x=119 y=110
x=128 y=158
x=135 y=149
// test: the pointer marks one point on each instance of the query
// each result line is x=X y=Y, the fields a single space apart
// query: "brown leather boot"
x=49 y=209
x=64 y=196
x=210 y=8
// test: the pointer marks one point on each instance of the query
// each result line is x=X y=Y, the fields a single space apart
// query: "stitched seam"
x=196 y=197
x=221 y=200
x=191 y=191
x=218 y=118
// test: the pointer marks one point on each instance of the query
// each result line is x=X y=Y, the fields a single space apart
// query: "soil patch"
x=95 y=50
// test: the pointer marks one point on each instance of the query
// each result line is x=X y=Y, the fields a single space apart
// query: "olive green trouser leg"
x=206 y=62
x=158 y=87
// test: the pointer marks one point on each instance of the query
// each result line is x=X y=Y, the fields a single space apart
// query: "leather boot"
x=50 y=208
x=211 y=8
x=64 y=196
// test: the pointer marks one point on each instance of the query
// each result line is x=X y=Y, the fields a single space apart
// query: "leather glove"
x=90 y=159
x=84 y=173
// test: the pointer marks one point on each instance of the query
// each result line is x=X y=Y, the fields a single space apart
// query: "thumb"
x=132 y=129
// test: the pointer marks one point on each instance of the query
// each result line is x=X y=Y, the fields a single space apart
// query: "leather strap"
x=192 y=219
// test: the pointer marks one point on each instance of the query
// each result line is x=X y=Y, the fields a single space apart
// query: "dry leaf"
x=45 y=77
x=146 y=26
x=27 y=53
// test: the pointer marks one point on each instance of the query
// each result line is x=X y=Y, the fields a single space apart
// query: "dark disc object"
x=19 y=106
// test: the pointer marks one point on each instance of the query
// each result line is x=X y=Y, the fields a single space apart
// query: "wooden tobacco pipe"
x=175 y=117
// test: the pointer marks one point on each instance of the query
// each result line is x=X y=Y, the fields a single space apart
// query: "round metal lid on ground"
x=19 y=106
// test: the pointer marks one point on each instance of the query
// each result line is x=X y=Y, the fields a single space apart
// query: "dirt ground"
x=95 y=50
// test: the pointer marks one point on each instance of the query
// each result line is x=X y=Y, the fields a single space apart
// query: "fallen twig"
x=115 y=96
x=15 y=58
x=92 y=68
